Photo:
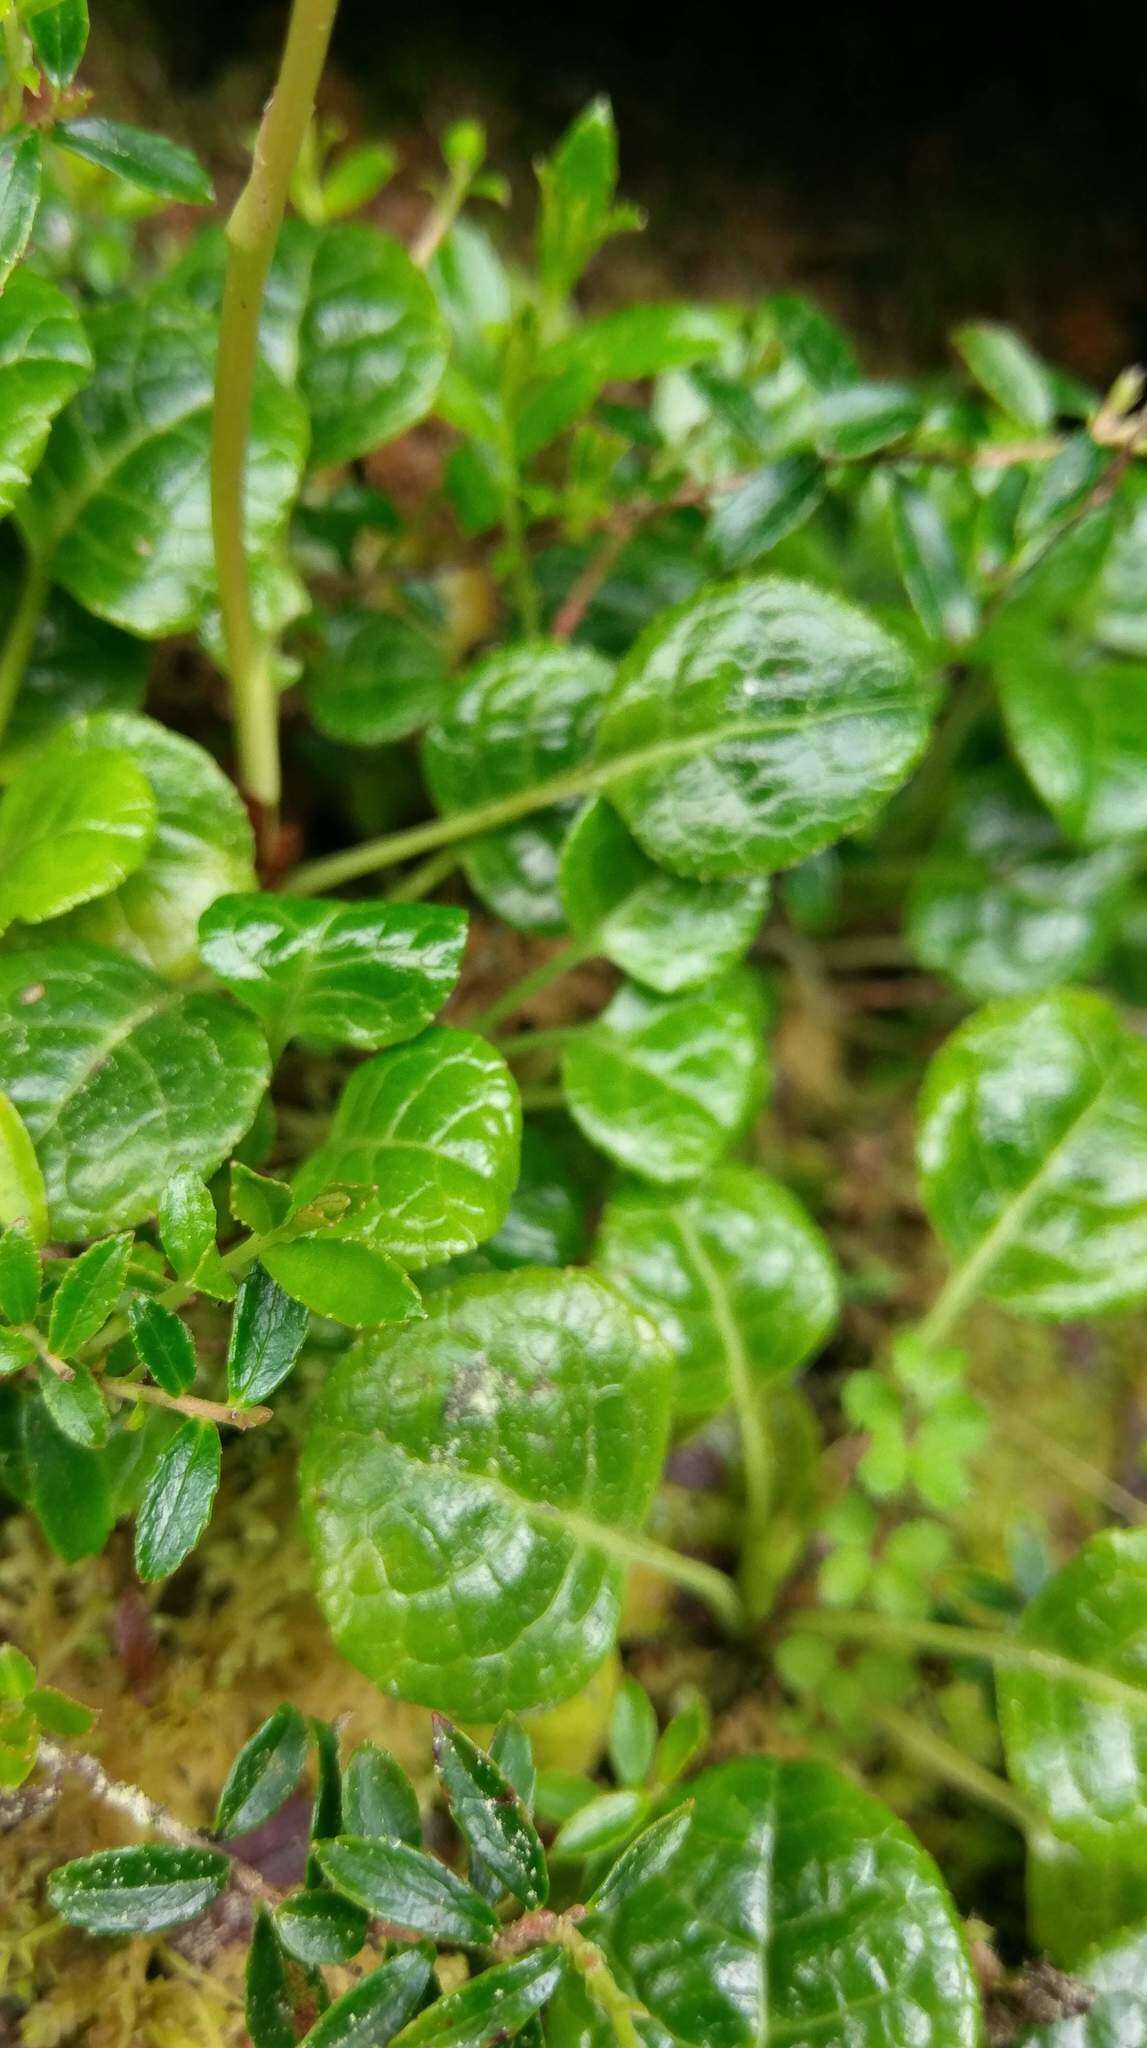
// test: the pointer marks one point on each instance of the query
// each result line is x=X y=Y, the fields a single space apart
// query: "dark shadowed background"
x=910 y=169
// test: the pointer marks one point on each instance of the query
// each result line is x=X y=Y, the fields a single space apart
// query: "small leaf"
x=320 y=1927
x=150 y=161
x=267 y=1333
x=163 y=1344
x=684 y=1740
x=603 y=1823
x=269 y=2010
x=858 y=420
x=23 y=1204
x=187 y=1222
x=371 y=2013
x=70 y=829
x=264 y=1774
x=373 y=679
x=176 y=1505
x=773 y=503
x=76 y=1406
x=21 y=164
x=407 y=1887
x=69 y=1488
x=379 y=1799
x=59 y=33
x=578 y=186
x=495 y=2007
x=1010 y=373
x=1080 y=732
x=257 y=1202
x=513 y=1752
x=351 y=1283
x=137 y=1891
x=19 y=1266
x=17 y=1675
x=59 y=1714
x=44 y=359
x=17 y=1353
x=327 y=1812
x=490 y=1816
x=87 y=1294
x=933 y=575
x=632 y=1733
x=643 y=1860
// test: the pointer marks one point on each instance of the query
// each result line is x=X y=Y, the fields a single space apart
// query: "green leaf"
x=373 y=679
x=349 y=1281
x=1115 y=1975
x=366 y=975
x=87 y=1294
x=1076 y=1741
x=578 y=183
x=256 y=1201
x=813 y=341
x=378 y=1797
x=408 y=1888
x=187 y=1221
x=663 y=1084
x=756 y=724
x=23 y=1205
x=44 y=359
x=1031 y=1149
x=371 y=342
x=1080 y=732
x=857 y=420
x=69 y=1487
x=526 y=713
x=632 y=1733
x=490 y=1817
x=59 y=32
x=771 y=504
x=137 y=1891
x=269 y=2010
x=264 y=1774
x=162 y=1344
x=82 y=1032
x=71 y=827
x=645 y=1858
x=1008 y=370
x=150 y=161
x=371 y=2013
x=176 y=1505
x=546 y=1223
x=17 y=1353
x=666 y=932
x=77 y=665
x=490 y=2009
x=434 y=1126
x=320 y=1927
x=486 y=1473
x=601 y=1824
x=17 y=1675
x=822 y=1919
x=59 y=1714
x=1001 y=905
x=120 y=503
x=740 y=1283
x=21 y=165
x=76 y=1406
x=267 y=1332
x=684 y=1740
x=941 y=595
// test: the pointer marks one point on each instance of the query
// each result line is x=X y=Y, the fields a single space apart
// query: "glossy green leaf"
x=771 y=504
x=163 y=1344
x=264 y=1774
x=260 y=1203
x=19 y=1274
x=857 y=420
x=1010 y=373
x=1001 y=905
x=756 y=724
x=150 y=161
x=813 y=341
x=490 y=2009
x=373 y=679
x=546 y=1223
x=365 y=975
x=645 y=1858
x=202 y=844
x=434 y=1126
x=683 y=1741
x=371 y=2013
x=1080 y=731
x=934 y=578
x=525 y=714
x=378 y=1797
x=69 y=1487
x=78 y=665
x=470 y=1489
x=408 y=1888
x=187 y=1221
x=71 y=827
x=82 y=1032
x=632 y=1733
x=320 y=1927
x=17 y=1353
x=666 y=932
x=120 y=503
x=1115 y=1976
x=601 y=1825
x=267 y=1332
x=76 y=1406
x=663 y=1084
x=44 y=359
x=177 y=1501
x=21 y=165
x=490 y=1817
x=138 y=1890
x=87 y=1293
x=268 y=2007
x=22 y=1197
x=59 y=32
x=734 y=1273
x=578 y=183
x=371 y=342
x=795 y=1908
x=350 y=1281
x=1032 y=1154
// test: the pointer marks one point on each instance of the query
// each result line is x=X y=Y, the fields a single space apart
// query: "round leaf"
x=71 y=828
x=1081 y=734
x=526 y=713
x=44 y=359
x=1032 y=1154
x=372 y=343
x=120 y=1081
x=756 y=724
x=469 y=1488
x=739 y=1281
x=374 y=679
x=664 y=1084
x=667 y=932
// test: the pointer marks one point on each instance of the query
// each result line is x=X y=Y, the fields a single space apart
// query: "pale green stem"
x=549 y=1039
x=944 y=1761
x=21 y=636
x=15 y=52
x=442 y=217
x=547 y=971
x=1004 y=1652
x=704 y=1581
x=223 y=1413
x=536 y=1099
x=425 y=877
x=521 y=577
x=252 y=233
